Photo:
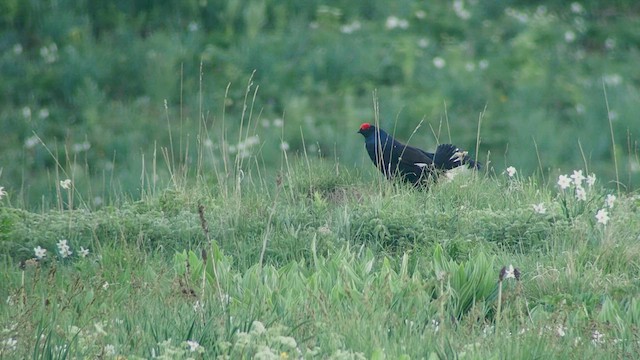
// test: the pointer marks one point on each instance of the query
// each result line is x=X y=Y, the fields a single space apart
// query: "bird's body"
x=414 y=165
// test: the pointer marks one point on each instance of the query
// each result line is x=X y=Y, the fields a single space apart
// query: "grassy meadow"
x=328 y=264
x=185 y=181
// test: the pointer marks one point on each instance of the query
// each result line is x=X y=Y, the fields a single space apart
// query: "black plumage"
x=414 y=165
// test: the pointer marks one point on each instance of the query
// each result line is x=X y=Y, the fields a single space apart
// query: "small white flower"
x=43 y=113
x=193 y=26
x=26 y=112
x=2 y=192
x=576 y=8
x=197 y=307
x=564 y=182
x=84 y=252
x=597 y=337
x=610 y=200
x=569 y=36
x=40 y=252
x=612 y=79
x=392 y=22
x=577 y=177
x=99 y=326
x=610 y=43
x=64 y=249
x=65 y=184
x=458 y=8
x=9 y=344
x=539 y=208
x=420 y=14
x=439 y=62
x=591 y=180
x=511 y=171
x=17 y=49
x=105 y=286
x=509 y=272
x=278 y=122
x=561 y=330
x=110 y=350
x=581 y=194
x=423 y=42
x=602 y=216
x=483 y=64
x=193 y=345
x=350 y=28
x=284 y=146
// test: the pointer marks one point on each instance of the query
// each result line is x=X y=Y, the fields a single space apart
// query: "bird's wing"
x=410 y=156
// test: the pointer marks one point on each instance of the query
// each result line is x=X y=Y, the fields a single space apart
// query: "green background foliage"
x=91 y=79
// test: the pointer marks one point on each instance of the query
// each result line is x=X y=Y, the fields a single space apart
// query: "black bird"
x=414 y=165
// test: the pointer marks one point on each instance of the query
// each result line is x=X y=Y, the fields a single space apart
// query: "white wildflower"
x=284 y=146
x=439 y=62
x=65 y=184
x=539 y=208
x=610 y=200
x=40 y=252
x=511 y=171
x=569 y=36
x=602 y=216
x=458 y=8
x=564 y=182
x=581 y=194
x=31 y=142
x=612 y=79
x=509 y=272
x=84 y=252
x=99 y=326
x=591 y=180
x=9 y=344
x=193 y=346
x=577 y=177
x=597 y=337
x=2 y=192
x=43 y=113
x=577 y=8
x=110 y=350
x=64 y=249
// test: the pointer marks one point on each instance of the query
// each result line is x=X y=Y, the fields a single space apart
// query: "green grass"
x=538 y=72
x=206 y=240
x=352 y=267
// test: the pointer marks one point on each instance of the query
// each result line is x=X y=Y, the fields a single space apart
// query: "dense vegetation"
x=184 y=180
x=103 y=82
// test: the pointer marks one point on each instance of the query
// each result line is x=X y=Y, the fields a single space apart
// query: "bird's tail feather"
x=449 y=156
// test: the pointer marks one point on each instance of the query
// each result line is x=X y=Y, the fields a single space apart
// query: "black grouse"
x=414 y=165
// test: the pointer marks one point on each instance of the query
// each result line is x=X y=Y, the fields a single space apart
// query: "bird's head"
x=367 y=130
